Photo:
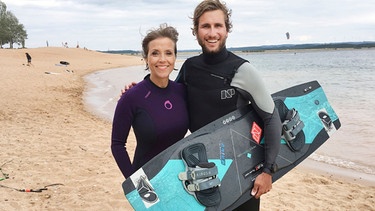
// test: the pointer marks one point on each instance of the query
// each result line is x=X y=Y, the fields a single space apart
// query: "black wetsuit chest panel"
x=209 y=92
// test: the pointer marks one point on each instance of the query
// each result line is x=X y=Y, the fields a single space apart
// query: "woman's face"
x=161 y=58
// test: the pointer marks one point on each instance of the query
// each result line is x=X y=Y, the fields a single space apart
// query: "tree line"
x=11 y=31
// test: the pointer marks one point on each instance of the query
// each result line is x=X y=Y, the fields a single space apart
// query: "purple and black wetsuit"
x=159 y=118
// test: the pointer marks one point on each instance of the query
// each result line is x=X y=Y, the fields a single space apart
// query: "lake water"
x=347 y=77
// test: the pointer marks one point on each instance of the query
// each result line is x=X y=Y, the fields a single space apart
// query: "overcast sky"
x=120 y=24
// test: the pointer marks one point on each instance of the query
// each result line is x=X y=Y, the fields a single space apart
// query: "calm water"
x=347 y=77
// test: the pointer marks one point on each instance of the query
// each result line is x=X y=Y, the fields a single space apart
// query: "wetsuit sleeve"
x=248 y=82
x=120 y=130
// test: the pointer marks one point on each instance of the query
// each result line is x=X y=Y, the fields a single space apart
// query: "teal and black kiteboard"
x=231 y=154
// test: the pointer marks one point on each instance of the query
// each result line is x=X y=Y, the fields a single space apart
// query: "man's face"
x=212 y=32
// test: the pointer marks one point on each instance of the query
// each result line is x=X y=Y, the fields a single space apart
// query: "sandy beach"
x=48 y=137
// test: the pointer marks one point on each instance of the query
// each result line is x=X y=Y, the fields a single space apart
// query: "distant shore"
x=275 y=48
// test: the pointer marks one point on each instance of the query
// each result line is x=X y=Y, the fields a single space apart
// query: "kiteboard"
x=231 y=154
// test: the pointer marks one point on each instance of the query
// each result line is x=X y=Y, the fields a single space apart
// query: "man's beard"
x=207 y=51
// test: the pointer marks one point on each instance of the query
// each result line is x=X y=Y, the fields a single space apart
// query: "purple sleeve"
x=120 y=130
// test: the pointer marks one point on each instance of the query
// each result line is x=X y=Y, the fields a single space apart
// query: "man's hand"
x=127 y=87
x=262 y=184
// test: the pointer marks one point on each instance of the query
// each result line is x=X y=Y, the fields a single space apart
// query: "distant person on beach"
x=28 y=57
x=151 y=107
x=218 y=70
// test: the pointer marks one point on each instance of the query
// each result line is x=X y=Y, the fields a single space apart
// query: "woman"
x=155 y=108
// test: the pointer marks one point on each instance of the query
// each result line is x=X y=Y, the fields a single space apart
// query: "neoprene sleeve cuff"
x=269 y=168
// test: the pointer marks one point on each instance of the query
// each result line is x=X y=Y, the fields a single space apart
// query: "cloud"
x=120 y=24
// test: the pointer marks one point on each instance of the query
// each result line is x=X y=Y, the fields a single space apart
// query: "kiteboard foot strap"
x=203 y=170
x=292 y=126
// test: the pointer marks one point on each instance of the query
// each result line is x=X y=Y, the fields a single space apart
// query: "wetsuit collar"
x=147 y=78
x=214 y=58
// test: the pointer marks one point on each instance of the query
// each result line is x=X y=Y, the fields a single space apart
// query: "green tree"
x=11 y=31
x=3 y=35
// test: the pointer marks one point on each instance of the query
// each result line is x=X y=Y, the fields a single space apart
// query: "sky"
x=121 y=24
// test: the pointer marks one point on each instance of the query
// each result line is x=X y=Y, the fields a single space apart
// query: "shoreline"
x=49 y=137
x=339 y=173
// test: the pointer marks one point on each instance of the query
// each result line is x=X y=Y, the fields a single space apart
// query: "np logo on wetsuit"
x=225 y=94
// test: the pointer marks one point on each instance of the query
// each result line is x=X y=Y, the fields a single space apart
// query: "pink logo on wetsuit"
x=168 y=105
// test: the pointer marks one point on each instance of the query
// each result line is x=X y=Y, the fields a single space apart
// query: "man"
x=216 y=71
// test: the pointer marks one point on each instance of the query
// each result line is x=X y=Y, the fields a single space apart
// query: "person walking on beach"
x=28 y=57
x=151 y=107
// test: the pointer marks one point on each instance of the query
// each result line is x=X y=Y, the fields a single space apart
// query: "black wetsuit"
x=220 y=83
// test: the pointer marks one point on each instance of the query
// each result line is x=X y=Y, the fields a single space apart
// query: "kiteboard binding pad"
x=200 y=178
x=214 y=168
